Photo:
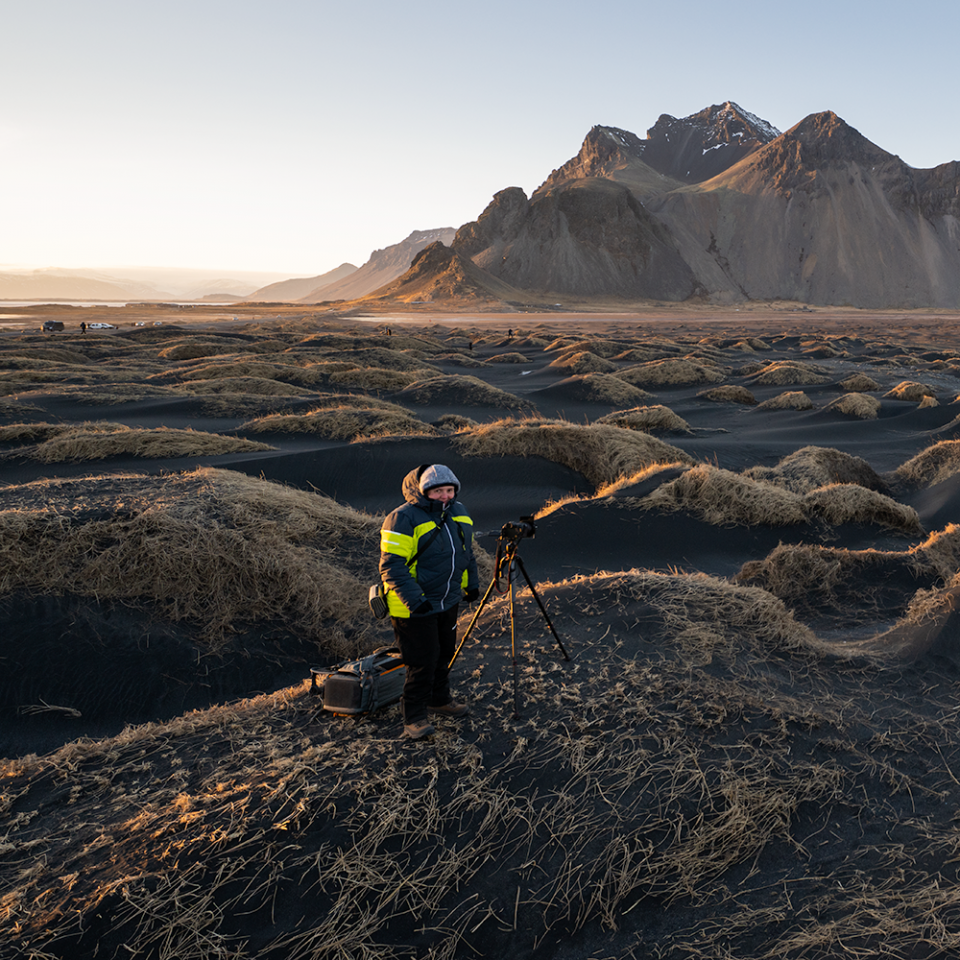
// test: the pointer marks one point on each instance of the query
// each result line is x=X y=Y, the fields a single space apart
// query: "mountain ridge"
x=722 y=206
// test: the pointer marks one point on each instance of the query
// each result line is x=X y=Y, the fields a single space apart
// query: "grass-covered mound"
x=583 y=362
x=729 y=393
x=858 y=405
x=595 y=388
x=62 y=443
x=213 y=547
x=933 y=465
x=654 y=419
x=722 y=497
x=667 y=793
x=789 y=400
x=672 y=372
x=784 y=372
x=344 y=423
x=459 y=390
x=910 y=392
x=811 y=467
x=599 y=452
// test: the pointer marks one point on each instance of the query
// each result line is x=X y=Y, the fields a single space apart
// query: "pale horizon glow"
x=288 y=138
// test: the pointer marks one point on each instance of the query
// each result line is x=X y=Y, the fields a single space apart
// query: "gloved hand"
x=470 y=595
x=424 y=608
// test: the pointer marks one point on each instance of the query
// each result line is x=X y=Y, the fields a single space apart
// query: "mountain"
x=721 y=205
x=73 y=285
x=382 y=267
x=129 y=283
x=298 y=287
x=439 y=274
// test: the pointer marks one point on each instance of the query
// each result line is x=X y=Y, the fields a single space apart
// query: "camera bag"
x=364 y=685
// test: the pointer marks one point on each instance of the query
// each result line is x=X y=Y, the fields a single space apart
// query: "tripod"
x=506 y=560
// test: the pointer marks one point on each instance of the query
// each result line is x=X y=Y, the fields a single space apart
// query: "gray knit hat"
x=437 y=475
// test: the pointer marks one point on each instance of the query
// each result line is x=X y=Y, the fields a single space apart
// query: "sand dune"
x=752 y=753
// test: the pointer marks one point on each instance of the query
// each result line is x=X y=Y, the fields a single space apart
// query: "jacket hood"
x=423 y=478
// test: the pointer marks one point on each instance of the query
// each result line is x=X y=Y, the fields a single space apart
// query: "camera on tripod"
x=517 y=531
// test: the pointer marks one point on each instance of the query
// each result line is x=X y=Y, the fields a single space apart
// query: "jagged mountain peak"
x=696 y=148
x=687 y=149
x=825 y=136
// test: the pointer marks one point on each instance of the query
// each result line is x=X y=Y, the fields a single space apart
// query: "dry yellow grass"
x=90 y=442
x=209 y=546
x=601 y=388
x=508 y=358
x=343 y=423
x=600 y=452
x=372 y=378
x=648 y=419
x=460 y=389
x=933 y=465
x=724 y=498
x=858 y=383
x=583 y=362
x=729 y=393
x=672 y=371
x=195 y=349
x=258 y=386
x=790 y=400
x=783 y=372
x=858 y=405
x=850 y=503
x=811 y=467
x=910 y=392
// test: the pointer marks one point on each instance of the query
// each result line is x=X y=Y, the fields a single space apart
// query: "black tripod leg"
x=513 y=646
x=476 y=617
x=543 y=609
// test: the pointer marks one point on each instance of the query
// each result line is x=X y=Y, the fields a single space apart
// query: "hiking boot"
x=452 y=709
x=418 y=730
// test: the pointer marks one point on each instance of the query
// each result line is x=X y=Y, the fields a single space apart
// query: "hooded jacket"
x=445 y=567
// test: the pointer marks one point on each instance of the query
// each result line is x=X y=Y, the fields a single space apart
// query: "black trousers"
x=427 y=645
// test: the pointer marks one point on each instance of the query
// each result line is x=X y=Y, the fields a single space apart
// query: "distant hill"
x=129 y=283
x=73 y=285
x=722 y=206
x=382 y=267
x=298 y=287
x=440 y=275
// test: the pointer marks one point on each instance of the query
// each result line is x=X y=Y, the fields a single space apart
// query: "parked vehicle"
x=50 y=326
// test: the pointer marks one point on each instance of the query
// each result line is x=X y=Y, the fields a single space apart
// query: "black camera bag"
x=362 y=686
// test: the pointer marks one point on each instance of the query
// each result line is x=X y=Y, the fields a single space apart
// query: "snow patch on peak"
x=768 y=129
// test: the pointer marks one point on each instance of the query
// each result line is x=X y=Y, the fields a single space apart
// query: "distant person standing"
x=427 y=567
x=83 y=326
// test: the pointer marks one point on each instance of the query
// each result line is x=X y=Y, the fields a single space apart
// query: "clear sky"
x=294 y=135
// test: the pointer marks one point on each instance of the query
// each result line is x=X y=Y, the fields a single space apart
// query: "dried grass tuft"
x=850 y=503
x=909 y=391
x=858 y=383
x=930 y=466
x=729 y=393
x=598 y=388
x=783 y=372
x=790 y=400
x=343 y=423
x=99 y=441
x=674 y=372
x=600 y=452
x=210 y=546
x=655 y=419
x=727 y=499
x=811 y=467
x=856 y=405
x=583 y=362
x=459 y=389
